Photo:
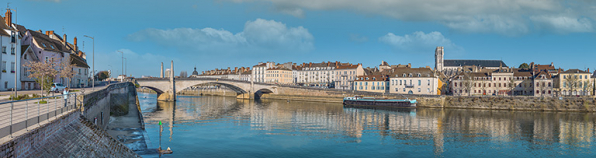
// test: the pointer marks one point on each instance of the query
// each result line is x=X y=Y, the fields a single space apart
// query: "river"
x=212 y=126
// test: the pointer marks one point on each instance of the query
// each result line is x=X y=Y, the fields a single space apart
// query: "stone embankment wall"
x=112 y=99
x=70 y=135
x=587 y=104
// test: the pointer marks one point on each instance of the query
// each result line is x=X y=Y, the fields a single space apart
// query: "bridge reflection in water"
x=435 y=132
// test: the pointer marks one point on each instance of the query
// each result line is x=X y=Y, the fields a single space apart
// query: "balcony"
x=409 y=86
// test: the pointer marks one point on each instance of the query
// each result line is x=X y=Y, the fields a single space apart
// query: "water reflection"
x=447 y=131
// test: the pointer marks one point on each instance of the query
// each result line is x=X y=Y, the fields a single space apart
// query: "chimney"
x=64 y=40
x=409 y=65
x=8 y=17
x=75 y=43
x=47 y=33
x=552 y=64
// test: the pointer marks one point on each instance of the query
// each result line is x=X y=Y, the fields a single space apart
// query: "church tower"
x=439 y=53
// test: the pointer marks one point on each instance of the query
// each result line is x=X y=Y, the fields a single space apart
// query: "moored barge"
x=378 y=102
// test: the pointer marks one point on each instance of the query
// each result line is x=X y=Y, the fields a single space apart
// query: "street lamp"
x=125 y=66
x=93 y=68
x=121 y=79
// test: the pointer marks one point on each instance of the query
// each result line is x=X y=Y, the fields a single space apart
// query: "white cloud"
x=508 y=17
x=563 y=24
x=259 y=36
x=419 y=42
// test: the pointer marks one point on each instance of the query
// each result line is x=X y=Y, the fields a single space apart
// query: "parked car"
x=57 y=87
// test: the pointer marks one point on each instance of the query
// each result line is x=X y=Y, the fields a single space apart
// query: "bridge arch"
x=235 y=88
x=157 y=90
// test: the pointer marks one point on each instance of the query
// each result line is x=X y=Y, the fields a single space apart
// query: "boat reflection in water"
x=227 y=127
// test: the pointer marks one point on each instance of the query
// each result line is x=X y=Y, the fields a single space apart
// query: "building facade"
x=346 y=74
x=10 y=46
x=414 y=81
x=372 y=83
x=280 y=75
x=574 y=82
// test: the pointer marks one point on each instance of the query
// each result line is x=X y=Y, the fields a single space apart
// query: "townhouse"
x=407 y=80
x=10 y=46
x=372 y=83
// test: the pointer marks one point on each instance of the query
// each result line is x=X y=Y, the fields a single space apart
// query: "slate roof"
x=78 y=61
x=575 y=71
x=399 y=72
x=3 y=26
x=372 y=78
x=48 y=43
x=22 y=29
x=480 y=63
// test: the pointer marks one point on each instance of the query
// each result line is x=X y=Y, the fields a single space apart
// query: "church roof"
x=480 y=63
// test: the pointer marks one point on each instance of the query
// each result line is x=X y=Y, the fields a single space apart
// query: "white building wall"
x=11 y=49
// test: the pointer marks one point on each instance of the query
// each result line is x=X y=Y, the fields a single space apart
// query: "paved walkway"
x=30 y=114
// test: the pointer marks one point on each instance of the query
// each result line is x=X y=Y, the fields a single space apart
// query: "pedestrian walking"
x=65 y=94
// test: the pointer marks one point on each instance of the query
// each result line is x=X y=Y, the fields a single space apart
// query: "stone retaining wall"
x=434 y=101
x=97 y=104
x=70 y=135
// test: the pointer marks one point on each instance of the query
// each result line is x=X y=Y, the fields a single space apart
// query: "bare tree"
x=587 y=87
x=467 y=83
x=41 y=70
x=66 y=71
x=571 y=82
x=512 y=85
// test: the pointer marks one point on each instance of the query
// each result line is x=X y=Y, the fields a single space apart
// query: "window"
x=12 y=67
x=537 y=92
x=455 y=84
x=549 y=92
x=4 y=49
x=400 y=82
x=429 y=82
x=396 y=89
x=419 y=90
x=419 y=82
x=12 y=51
x=404 y=90
x=3 y=66
x=580 y=77
x=549 y=84
x=428 y=90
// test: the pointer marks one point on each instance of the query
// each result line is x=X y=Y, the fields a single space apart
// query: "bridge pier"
x=166 y=96
x=247 y=96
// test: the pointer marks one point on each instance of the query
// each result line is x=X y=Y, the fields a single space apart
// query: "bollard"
x=11 y=107
x=55 y=107
x=38 y=113
x=26 y=115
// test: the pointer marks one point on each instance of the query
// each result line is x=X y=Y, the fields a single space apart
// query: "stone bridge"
x=167 y=88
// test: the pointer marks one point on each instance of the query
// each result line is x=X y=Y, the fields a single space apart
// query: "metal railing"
x=23 y=114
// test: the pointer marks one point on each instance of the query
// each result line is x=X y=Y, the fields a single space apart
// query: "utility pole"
x=93 y=68
x=121 y=79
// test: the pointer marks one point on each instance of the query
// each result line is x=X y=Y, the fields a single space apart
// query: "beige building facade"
x=279 y=75
x=372 y=83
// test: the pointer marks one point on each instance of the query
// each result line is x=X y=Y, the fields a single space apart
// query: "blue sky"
x=235 y=33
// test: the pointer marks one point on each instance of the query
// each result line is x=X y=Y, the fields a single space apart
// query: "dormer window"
x=366 y=78
x=374 y=78
x=43 y=44
x=419 y=75
x=404 y=75
x=410 y=74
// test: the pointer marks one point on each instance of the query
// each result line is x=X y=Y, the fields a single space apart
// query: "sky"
x=213 y=34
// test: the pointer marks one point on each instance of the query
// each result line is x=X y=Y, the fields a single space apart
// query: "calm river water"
x=227 y=127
